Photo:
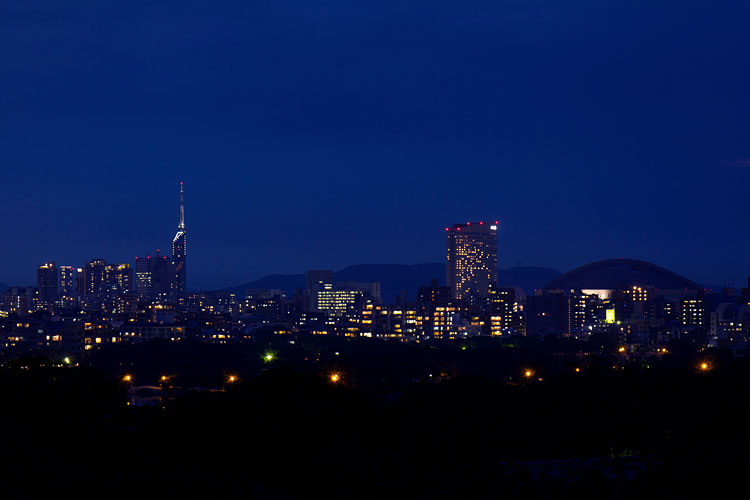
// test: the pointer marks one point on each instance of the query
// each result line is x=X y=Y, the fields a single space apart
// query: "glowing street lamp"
x=528 y=373
x=704 y=366
x=335 y=377
x=232 y=379
x=66 y=360
x=268 y=357
x=127 y=378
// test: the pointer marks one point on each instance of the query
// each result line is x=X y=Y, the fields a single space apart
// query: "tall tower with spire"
x=179 y=249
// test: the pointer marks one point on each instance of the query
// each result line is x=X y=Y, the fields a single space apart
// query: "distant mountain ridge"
x=394 y=278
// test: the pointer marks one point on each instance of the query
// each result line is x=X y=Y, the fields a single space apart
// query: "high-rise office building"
x=338 y=302
x=68 y=281
x=79 y=282
x=471 y=265
x=93 y=277
x=179 y=249
x=118 y=278
x=693 y=312
x=322 y=296
x=317 y=282
x=46 y=276
x=369 y=289
x=506 y=311
x=155 y=276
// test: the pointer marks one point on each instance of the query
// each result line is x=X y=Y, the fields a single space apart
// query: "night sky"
x=323 y=134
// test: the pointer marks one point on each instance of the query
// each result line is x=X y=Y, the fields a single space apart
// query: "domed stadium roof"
x=619 y=274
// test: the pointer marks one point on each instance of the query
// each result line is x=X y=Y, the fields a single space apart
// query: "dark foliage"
x=285 y=431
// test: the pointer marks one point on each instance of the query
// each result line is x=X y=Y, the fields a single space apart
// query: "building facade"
x=93 y=277
x=118 y=278
x=47 y=278
x=155 y=276
x=68 y=281
x=471 y=260
x=317 y=283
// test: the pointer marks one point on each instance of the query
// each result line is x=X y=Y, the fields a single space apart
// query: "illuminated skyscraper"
x=693 y=312
x=79 y=281
x=46 y=276
x=471 y=265
x=506 y=311
x=179 y=249
x=68 y=281
x=118 y=278
x=317 y=282
x=337 y=302
x=93 y=277
x=155 y=276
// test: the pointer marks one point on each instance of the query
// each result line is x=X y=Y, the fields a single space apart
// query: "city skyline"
x=179 y=252
x=179 y=245
x=148 y=278
x=437 y=249
x=469 y=255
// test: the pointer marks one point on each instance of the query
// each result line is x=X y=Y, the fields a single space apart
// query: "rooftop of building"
x=487 y=225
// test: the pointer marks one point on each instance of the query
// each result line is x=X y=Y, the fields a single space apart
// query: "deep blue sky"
x=323 y=134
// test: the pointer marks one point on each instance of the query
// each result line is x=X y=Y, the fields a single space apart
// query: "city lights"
x=472 y=260
x=147 y=301
x=352 y=321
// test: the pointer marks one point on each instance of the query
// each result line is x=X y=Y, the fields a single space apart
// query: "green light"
x=463 y=347
x=66 y=360
x=268 y=357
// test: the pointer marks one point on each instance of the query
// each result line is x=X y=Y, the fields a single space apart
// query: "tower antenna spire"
x=179 y=249
x=182 y=206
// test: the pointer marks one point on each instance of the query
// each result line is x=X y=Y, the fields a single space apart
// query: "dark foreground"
x=666 y=430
